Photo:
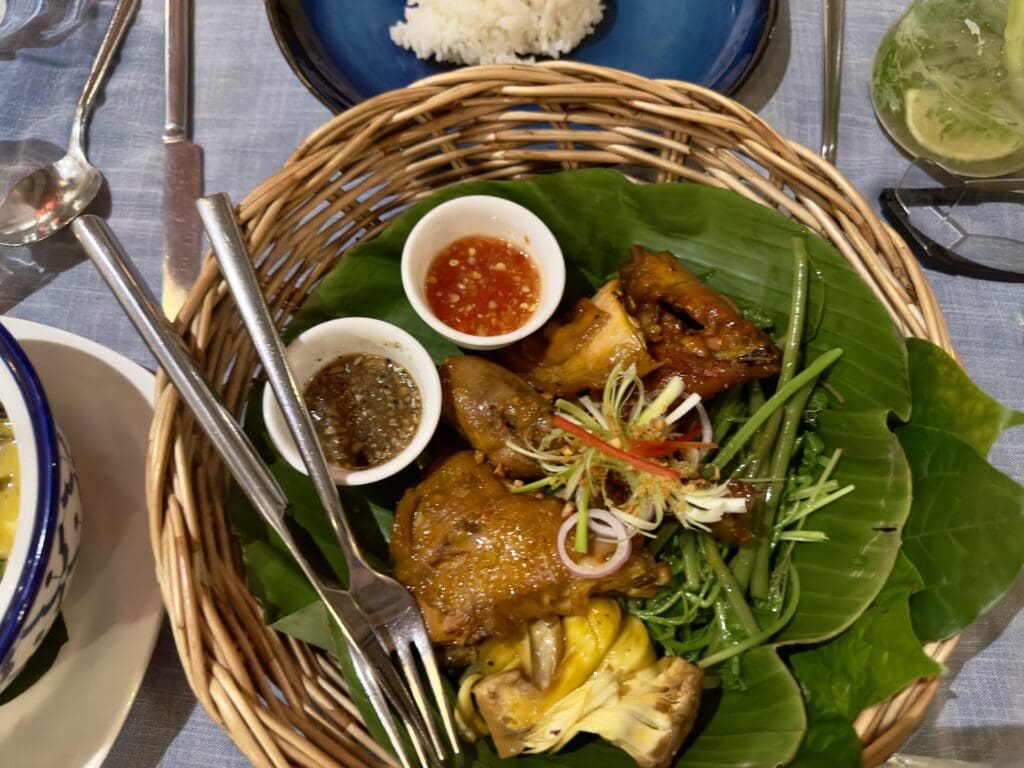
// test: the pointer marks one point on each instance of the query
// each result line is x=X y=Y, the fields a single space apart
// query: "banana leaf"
x=745 y=251
x=963 y=512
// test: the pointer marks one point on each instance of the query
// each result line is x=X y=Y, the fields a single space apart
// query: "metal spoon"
x=49 y=198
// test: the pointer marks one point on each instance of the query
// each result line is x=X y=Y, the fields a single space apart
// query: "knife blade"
x=183 y=162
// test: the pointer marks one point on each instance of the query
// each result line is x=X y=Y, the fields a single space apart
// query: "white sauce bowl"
x=323 y=344
x=486 y=216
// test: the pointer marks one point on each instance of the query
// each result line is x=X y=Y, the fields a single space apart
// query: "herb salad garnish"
x=659 y=466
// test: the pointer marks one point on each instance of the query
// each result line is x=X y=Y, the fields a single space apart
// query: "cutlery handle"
x=177 y=67
x=116 y=27
x=833 y=12
x=135 y=298
x=233 y=256
x=371 y=661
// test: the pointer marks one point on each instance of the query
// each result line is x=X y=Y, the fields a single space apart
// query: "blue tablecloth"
x=251 y=110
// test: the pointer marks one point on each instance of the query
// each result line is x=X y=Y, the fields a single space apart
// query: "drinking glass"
x=948 y=84
x=38 y=23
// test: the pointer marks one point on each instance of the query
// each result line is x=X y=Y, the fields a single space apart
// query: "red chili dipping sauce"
x=484 y=286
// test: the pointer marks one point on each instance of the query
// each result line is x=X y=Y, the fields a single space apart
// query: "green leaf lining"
x=966 y=533
x=831 y=741
x=760 y=727
x=863 y=528
x=945 y=398
x=881 y=646
x=887 y=655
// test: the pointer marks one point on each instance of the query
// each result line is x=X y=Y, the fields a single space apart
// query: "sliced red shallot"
x=604 y=524
x=705 y=426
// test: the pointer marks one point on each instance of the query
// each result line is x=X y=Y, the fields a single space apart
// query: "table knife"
x=834 y=12
x=183 y=162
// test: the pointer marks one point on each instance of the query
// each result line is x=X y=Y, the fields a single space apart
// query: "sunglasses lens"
x=982 y=221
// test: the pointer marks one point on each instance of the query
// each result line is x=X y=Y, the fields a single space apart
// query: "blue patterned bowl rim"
x=44 y=522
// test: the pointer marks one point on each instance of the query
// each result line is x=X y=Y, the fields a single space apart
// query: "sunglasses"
x=968 y=227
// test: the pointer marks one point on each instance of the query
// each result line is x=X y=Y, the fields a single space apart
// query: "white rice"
x=495 y=31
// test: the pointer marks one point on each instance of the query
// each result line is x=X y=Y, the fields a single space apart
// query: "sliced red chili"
x=617 y=453
x=655 y=448
x=693 y=432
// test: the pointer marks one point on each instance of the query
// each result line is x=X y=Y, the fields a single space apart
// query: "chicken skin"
x=490 y=406
x=481 y=561
x=580 y=353
x=694 y=331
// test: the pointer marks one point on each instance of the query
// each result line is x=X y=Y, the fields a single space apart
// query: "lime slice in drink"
x=1013 y=48
x=935 y=123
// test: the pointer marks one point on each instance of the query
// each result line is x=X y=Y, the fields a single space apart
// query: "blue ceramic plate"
x=342 y=51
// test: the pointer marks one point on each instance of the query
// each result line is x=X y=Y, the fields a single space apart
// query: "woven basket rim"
x=196 y=561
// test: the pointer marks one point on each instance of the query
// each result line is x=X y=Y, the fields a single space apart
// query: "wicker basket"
x=281 y=701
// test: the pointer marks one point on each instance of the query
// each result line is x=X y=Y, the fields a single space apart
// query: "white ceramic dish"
x=104 y=403
x=486 y=216
x=324 y=343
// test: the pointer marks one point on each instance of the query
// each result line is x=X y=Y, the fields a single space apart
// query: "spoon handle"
x=118 y=25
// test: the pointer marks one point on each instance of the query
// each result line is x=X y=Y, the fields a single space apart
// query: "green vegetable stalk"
x=776 y=401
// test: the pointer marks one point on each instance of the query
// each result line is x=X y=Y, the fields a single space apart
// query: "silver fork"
x=373 y=665
x=388 y=606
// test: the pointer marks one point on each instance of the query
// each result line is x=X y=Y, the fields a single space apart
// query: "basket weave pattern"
x=282 y=702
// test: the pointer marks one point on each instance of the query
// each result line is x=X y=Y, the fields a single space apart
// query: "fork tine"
x=420 y=732
x=380 y=706
x=381 y=668
x=413 y=680
x=420 y=728
x=426 y=653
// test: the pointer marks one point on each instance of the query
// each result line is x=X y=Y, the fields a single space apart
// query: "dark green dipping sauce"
x=365 y=408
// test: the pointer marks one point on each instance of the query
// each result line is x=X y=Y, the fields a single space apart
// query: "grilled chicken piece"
x=481 y=561
x=693 y=330
x=736 y=527
x=490 y=406
x=579 y=354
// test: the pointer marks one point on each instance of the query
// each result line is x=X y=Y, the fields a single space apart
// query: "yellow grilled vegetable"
x=607 y=682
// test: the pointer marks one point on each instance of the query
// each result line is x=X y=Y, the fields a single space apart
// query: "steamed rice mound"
x=495 y=31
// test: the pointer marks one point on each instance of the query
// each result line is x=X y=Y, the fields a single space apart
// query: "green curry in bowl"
x=40 y=511
x=8 y=489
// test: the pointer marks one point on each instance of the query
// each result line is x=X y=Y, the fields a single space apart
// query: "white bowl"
x=485 y=216
x=321 y=345
x=49 y=523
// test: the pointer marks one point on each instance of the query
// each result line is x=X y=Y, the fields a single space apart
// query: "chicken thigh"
x=481 y=560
